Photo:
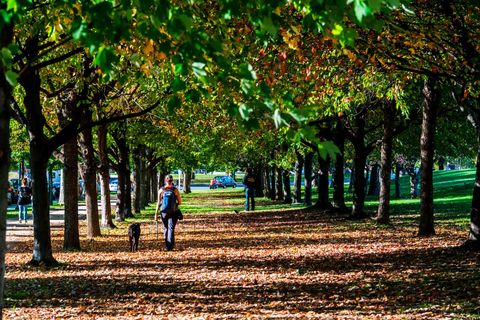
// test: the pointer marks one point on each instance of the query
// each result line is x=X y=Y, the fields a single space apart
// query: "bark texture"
x=429 y=114
x=386 y=154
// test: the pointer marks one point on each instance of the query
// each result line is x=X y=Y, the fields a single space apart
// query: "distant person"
x=168 y=201
x=249 y=183
x=24 y=199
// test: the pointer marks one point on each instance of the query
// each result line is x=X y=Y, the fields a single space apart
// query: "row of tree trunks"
x=6 y=36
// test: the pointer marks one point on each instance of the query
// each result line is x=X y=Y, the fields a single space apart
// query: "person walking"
x=249 y=183
x=168 y=201
x=24 y=199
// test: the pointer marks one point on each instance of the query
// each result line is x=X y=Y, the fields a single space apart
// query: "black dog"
x=134 y=236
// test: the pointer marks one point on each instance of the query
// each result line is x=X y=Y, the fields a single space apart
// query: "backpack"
x=24 y=196
x=168 y=201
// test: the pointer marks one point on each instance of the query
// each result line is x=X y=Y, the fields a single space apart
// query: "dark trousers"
x=249 y=199
x=169 y=231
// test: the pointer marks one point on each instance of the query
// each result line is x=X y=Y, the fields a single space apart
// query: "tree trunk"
x=6 y=36
x=123 y=170
x=137 y=179
x=258 y=171
x=308 y=172
x=359 y=182
x=154 y=185
x=286 y=187
x=352 y=179
x=120 y=204
x=474 y=233
x=104 y=171
x=398 y=193
x=128 y=193
x=273 y=186
x=39 y=153
x=427 y=149
x=143 y=180
x=71 y=237
x=61 y=196
x=374 y=187
x=339 y=176
x=266 y=181
x=297 y=180
x=187 y=179
x=89 y=169
x=323 y=185
x=386 y=154
x=42 y=242
x=279 y=186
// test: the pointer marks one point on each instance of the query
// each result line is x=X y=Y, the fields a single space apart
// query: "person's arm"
x=179 y=198
x=159 y=201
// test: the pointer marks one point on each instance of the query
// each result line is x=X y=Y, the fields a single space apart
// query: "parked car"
x=222 y=182
x=12 y=194
x=113 y=184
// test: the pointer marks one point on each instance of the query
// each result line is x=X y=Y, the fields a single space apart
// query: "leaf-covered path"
x=267 y=264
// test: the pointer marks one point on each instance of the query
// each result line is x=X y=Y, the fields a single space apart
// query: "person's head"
x=24 y=181
x=169 y=179
x=249 y=170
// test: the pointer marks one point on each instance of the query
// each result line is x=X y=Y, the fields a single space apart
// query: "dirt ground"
x=262 y=265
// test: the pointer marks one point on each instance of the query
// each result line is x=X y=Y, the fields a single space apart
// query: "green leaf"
x=179 y=69
x=244 y=111
x=337 y=29
x=247 y=72
x=278 y=119
x=199 y=69
x=361 y=10
x=247 y=86
x=375 y=5
x=297 y=115
x=268 y=25
x=327 y=148
x=11 y=77
x=6 y=57
x=232 y=109
x=105 y=58
x=12 y=5
x=173 y=103
x=79 y=29
x=193 y=96
x=178 y=84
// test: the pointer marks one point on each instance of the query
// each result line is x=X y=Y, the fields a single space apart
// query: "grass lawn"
x=277 y=262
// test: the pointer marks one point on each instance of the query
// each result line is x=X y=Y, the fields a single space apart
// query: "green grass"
x=452 y=202
x=452 y=198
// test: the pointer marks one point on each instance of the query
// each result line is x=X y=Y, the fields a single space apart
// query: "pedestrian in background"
x=249 y=183
x=24 y=199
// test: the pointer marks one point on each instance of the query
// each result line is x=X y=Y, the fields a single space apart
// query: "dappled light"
x=287 y=263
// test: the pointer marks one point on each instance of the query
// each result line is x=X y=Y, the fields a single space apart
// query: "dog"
x=134 y=236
